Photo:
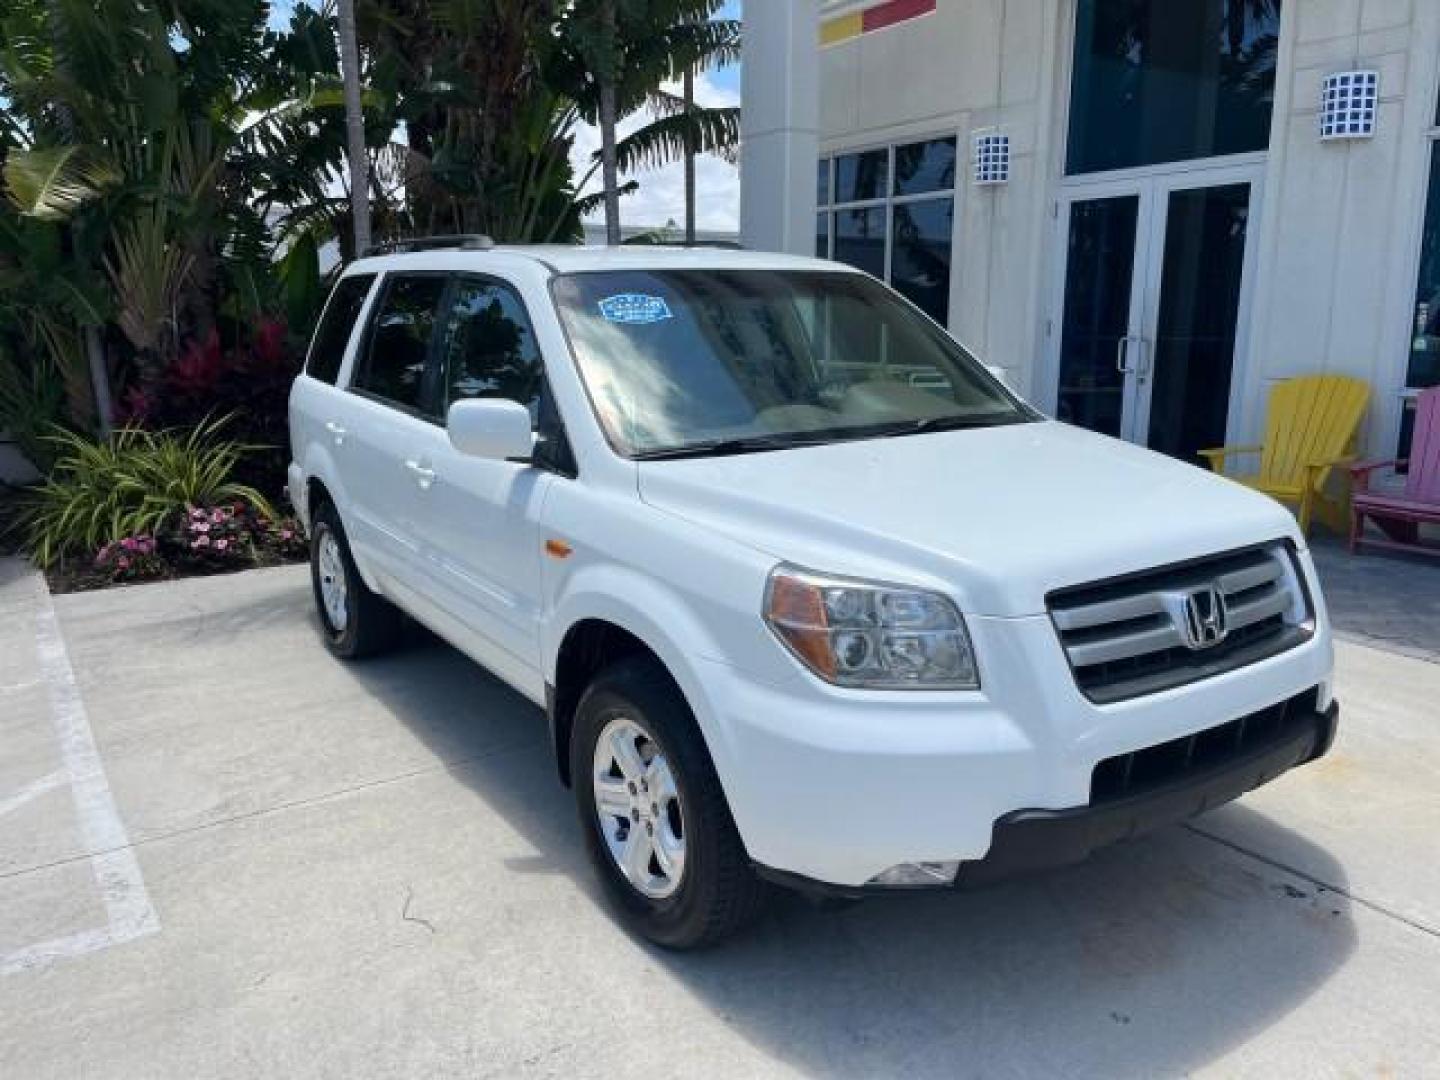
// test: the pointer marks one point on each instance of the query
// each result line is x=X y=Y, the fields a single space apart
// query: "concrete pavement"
x=370 y=870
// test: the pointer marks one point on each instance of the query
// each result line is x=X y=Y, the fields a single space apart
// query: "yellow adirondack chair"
x=1310 y=430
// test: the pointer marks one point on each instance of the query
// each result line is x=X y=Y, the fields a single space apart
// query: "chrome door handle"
x=424 y=475
x=336 y=432
x=1141 y=367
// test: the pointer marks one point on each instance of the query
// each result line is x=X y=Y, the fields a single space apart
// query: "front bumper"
x=1030 y=840
x=1027 y=841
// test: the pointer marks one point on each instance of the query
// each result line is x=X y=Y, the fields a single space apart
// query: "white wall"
x=1340 y=233
x=780 y=87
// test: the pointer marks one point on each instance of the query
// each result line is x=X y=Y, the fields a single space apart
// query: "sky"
x=661 y=198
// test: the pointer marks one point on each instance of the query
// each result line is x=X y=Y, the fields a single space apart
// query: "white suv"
x=808 y=595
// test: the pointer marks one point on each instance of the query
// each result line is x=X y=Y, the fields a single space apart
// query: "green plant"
x=138 y=483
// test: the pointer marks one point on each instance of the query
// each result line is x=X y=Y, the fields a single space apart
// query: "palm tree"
x=354 y=127
x=688 y=91
x=647 y=43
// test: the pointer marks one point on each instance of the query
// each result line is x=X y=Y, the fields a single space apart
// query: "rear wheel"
x=656 y=822
x=355 y=622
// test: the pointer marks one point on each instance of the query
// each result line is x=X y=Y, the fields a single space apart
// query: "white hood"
x=998 y=516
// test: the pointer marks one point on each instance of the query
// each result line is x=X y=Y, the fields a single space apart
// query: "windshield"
x=684 y=362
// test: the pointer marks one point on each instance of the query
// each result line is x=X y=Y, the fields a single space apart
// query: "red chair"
x=1400 y=516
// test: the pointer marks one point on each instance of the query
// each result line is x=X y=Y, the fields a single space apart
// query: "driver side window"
x=488 y=349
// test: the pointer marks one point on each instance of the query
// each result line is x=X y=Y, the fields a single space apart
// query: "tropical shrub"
x=203 y=540
x=249 y=381
x=138 y=483
x=131 y=558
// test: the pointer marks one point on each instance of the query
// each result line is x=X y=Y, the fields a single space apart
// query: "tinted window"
x=927 y=166
x=1424 y=369
x=860 y=239
x=394 y=367
x=327 y=350
x=1170 y=80
x=822 y=235
x=920 y=262
x=862 y=176
x=489 y=349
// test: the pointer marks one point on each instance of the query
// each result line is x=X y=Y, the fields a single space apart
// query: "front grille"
x=1128 y=636
x=1145 y=770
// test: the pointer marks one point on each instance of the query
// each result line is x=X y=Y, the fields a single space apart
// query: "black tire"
x=372 y=624
x=718 y=892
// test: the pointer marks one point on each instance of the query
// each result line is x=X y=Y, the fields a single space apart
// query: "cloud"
x=661 y=198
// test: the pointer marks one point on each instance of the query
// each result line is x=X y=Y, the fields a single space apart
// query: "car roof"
x=568 y=259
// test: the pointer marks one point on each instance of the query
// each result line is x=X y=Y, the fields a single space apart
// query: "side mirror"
x=493 y=428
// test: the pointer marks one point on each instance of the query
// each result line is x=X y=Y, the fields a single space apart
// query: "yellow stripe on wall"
x=842 y=29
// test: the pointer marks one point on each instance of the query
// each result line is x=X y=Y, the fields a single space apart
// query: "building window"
x=891 y=213
x=1423 y=369
x=1157 y=81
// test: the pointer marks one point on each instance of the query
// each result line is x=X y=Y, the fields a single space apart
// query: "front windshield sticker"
x=634 y=309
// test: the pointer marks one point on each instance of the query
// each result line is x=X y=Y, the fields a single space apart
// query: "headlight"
x=866 y=634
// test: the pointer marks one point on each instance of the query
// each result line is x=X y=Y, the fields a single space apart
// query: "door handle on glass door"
x=1141 y=367
x=424 y=475
x=336 y=432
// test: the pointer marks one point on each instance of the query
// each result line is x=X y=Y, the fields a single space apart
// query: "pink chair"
x=1399 y=517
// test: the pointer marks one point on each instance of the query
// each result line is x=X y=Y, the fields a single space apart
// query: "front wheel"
x=656 y=822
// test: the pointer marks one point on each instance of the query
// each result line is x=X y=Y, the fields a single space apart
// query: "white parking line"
x=32 y=790
x=117 y=874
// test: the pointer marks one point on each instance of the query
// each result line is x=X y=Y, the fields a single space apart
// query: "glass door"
x=1183 y=400
x=1100 y=313
x=1151 y=304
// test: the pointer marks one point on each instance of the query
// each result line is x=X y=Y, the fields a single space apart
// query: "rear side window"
x=399 y=347
x=327 y=350
x=489 y=348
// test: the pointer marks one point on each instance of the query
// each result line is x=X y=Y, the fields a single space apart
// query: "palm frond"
x=53 y=182
x=664 y=140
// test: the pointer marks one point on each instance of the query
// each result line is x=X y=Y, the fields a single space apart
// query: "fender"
x=319 y=464
x=662 y=619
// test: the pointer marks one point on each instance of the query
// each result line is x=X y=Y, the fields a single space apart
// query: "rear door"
x=479 y=519
x=391 y=383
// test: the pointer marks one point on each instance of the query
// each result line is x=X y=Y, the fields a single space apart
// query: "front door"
x=479 y=519
x=1150 y=306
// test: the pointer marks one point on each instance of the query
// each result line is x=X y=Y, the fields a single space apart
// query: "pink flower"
x=217 y=516
x=287 y=534
x=202 y=527
x=196 y=513
x=200 y=542
x=221 y=544
x=128 y=543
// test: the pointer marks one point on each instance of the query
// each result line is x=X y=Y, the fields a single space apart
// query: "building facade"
x=1146 y=211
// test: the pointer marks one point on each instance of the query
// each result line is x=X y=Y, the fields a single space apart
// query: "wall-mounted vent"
x=1348 y=103
x=991 y=158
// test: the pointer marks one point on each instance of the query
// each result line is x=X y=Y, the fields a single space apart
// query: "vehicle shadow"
x=1153 y=959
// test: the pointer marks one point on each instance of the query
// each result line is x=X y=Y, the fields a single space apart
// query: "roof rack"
x=462 y=241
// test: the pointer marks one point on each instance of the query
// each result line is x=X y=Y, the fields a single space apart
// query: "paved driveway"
x=223 y=854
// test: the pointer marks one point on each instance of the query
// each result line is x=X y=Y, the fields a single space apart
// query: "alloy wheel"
x=637 y=804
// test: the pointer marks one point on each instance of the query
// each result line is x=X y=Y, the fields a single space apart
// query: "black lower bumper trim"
x=1027 y=841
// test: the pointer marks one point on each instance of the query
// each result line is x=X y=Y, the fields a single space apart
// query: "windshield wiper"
x=949 y=423
x=751 y=444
